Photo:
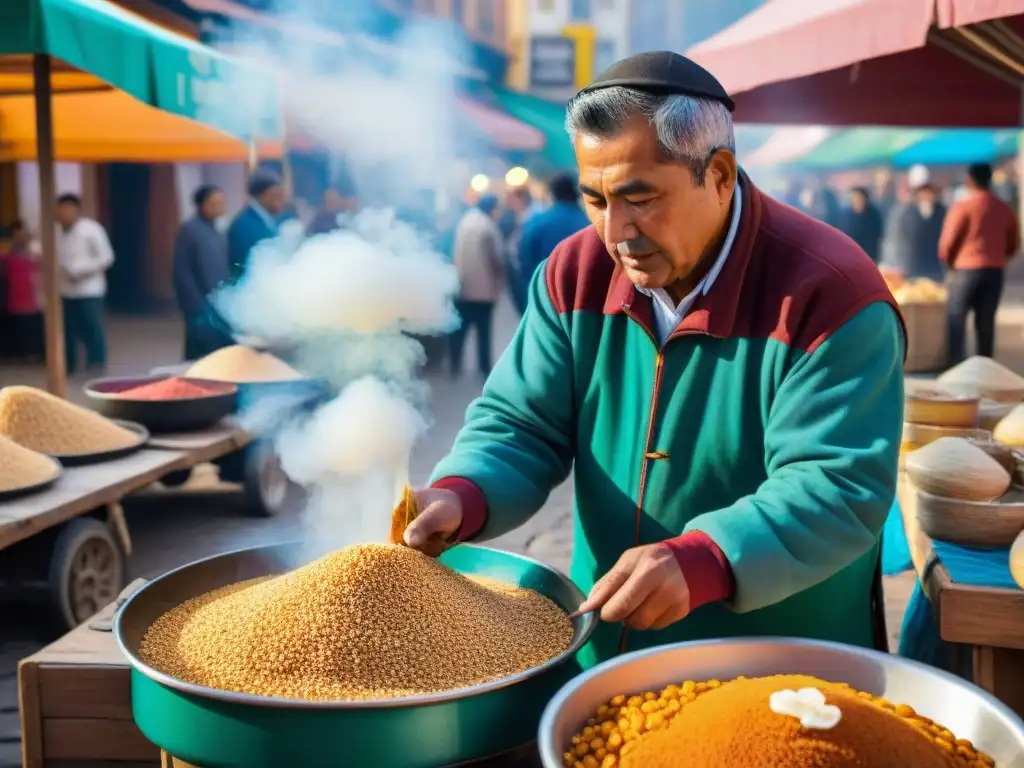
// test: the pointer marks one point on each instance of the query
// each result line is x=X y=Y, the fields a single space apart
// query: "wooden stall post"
x=56 y=367
x=252 y=159
x=287 y=176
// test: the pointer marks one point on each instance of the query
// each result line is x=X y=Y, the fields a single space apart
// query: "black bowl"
x=187 y=415
x=97 y=457
x=27 y=490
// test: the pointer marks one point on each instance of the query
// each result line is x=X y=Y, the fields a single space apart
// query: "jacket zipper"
x=652 y=414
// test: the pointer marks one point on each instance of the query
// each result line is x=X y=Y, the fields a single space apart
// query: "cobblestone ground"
x=173 y=528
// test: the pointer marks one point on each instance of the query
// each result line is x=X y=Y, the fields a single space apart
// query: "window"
x=604 y=55
x=580 y=10
x=459 y=11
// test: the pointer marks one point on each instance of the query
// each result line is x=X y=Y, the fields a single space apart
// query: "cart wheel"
x=86 y=571
x=268 y=490
x=176 y=479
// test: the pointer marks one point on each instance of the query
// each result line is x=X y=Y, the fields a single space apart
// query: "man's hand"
x=645 y=589
x=440 y=518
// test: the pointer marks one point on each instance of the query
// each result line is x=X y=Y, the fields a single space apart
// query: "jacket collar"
x=713 y=313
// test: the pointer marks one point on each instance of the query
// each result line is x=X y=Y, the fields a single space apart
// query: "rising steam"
x=346 y=302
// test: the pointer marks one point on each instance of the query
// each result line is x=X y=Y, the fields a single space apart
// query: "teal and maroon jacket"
x=761 y=440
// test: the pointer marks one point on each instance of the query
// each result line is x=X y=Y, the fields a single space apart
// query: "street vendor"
x=723 y=373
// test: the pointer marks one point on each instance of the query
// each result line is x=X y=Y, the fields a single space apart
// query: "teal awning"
x=861 y=147
x=158 y=67
x=957 y=146
x=547 y=117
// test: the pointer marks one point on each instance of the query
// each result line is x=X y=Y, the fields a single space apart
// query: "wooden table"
x=526 y=757
x=82 y=489
x=988 y=620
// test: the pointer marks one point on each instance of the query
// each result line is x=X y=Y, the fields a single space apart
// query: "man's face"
x=213 y=207
x=273 y=199
x=67 y=214
x=19 y=237
x=654 y=221
x=858 y=202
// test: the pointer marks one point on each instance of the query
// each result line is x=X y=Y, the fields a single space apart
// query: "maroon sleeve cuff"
x=474 y=505
x=704 y=566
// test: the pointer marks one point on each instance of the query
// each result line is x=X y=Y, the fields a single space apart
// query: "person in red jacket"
x=23 y=306
x=980 y=235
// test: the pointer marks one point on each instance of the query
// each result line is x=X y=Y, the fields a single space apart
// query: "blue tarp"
x=919 y=637
x=957 y=147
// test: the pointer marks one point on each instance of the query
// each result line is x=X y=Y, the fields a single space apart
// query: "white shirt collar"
x=668 y=314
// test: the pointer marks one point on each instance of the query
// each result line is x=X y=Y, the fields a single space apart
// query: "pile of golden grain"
x=20 y=467
x=242 y=365
x=45 y=423
x=372 y=621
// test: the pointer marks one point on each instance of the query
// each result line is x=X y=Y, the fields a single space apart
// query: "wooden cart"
x=986 y=622
x=71 y=539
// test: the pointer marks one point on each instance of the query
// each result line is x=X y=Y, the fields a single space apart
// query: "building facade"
x=558 y=46
x=676 y=25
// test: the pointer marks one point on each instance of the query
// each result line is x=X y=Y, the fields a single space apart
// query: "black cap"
x=662 y=73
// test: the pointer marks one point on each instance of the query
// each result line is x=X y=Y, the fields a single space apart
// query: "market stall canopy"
x=110 y=126
x=301 y=35
x=860 y=147
x=314 y=121
x=101 y=46
x=881 y=62
x=548 y=118
x=786 y=144
x=959 y=147
x=503 y=130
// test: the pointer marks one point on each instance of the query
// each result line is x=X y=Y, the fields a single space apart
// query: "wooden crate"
x=926 y=336
x=75 y=702
x=525 y=757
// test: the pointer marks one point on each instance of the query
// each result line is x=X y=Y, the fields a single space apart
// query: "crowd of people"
x=84 y=255
x=495 y=244
x=963 y=236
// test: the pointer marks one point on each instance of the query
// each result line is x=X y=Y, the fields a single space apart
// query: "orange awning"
x=111 y=126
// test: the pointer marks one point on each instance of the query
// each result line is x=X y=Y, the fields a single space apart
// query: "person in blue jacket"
x=546 y=229
x=258 y=221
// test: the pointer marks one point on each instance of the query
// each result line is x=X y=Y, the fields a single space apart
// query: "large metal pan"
x=966 y=710
x=212 y=728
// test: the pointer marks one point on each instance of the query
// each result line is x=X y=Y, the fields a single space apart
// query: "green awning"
x=861 y=147
x=156 y=66
x=547 y=117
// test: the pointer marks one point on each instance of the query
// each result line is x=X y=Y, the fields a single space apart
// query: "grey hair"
x=689 y=129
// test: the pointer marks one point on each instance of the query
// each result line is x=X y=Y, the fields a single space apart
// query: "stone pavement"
x=173 y=528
